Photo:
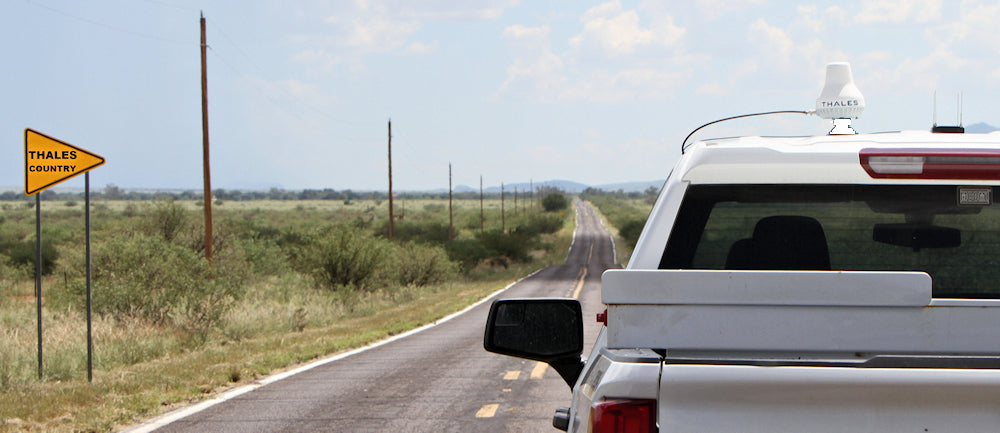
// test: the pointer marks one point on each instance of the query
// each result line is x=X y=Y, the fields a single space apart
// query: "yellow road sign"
x=48 y=161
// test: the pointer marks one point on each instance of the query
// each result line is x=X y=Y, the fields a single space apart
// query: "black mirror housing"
x=546 y=330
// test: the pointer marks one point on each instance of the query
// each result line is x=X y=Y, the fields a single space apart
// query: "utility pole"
x=204 y=144
x=390 y=181
x=515 y=200
x=482 y=219
x=503 y=216
x=531 y=195
x=451 y=216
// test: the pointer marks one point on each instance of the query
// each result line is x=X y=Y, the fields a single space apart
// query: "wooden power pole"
x=391 y=216
x=503 y=214
x=451 y=216
x=482 y=219
x=204 y=144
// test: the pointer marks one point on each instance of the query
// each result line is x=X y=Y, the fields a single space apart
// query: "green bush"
x=147 y=278
x=263 y=256
x=130 y=210
x=23 y=254
x=167 y=220
x=513 y=246
x=630 y=229
x=406 y=231
x=540 y=223
x=554 y=202
x=342 y=256
x=467 y=252
x=420 y=265
x=253 y=228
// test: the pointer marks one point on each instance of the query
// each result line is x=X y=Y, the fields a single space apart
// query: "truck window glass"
x=843 y=227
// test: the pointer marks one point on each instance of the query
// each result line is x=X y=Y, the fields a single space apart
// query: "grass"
x=142 y=370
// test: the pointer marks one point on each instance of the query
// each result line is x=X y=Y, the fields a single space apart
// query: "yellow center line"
x=579 y=284
x=512 y=375
x=539 y=370
x=591 y=255
x=487 y=411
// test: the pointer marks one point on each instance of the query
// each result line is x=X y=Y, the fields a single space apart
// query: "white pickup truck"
x=839 y=283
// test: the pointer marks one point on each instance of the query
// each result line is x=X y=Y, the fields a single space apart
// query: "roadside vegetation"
x=626 y=213
x=292 y=280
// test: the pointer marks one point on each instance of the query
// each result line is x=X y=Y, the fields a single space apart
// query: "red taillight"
x=623 y=416
x=968 y=164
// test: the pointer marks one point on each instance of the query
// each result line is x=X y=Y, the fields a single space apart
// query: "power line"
x=107 y=26
x=233 y=43
x=256 y=66
x=170 y=5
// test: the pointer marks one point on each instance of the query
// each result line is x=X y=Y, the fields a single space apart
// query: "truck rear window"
x=952 y=232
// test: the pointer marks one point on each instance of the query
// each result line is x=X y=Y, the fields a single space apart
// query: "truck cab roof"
x=832 y=159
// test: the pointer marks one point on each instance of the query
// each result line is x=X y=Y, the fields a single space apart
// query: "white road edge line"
x=183 y=412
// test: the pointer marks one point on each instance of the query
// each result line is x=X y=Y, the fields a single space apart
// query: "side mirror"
x=546 y=330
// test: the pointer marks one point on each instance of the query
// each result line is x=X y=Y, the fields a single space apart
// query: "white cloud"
x=316 y=60
x=535 y=35
x=837 y=15
x=637 y=84
x=774 y=42
x=734 y=76
x=916 y=75
x=811 y=20
x=647 y=47
x=378 y=33
x=421 y=48
x=711 y=89
x=899 y=11
x=536 y=70
x=441 y=10
x=388 y=25
x=616 y=31
x=975 y=28
x=289 y=93
x=445 y=10
x=712 y=9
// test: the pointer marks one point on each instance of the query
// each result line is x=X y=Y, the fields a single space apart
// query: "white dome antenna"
x=840 y=100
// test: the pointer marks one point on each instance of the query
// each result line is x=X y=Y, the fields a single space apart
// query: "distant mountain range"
x=980 y=128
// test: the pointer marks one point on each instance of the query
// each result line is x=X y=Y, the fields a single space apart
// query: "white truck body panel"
x=720 y=398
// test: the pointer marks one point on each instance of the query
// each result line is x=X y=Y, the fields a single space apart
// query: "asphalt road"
x=436 y=380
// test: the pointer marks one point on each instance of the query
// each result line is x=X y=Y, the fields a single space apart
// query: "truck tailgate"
x=740 y=398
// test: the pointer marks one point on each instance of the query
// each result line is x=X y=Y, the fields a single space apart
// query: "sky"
x=300 y=92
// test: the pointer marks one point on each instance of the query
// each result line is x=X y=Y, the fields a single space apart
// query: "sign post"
x=48 y=161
